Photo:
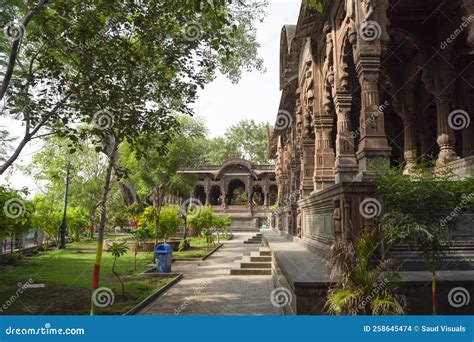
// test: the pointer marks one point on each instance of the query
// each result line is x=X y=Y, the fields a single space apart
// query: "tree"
x=247 y=139
x=48 y=167
x=47 y=216
x=77 y=221
x=222 y=222
x=155 y=175
x=15 y=214
x=201 y=219
x=117 y=249
x=422 y=210
x=170 y=221
x=73 y=53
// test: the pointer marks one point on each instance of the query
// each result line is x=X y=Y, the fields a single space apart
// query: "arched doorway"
x=200 y=193
x=236 y=194
x=257 y=195
x=216 y=195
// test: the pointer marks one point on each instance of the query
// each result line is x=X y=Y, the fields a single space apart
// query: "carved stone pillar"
x=249 y=192
x=346 y=164
x=324 y=153
x=265 y=189
x=373 y=144
x=409 y=152
x=437 y=78
x=409 y=136
x=467 y=8
x=445 y=136
x=284 y=189
x=208 y=195
x=307 y=167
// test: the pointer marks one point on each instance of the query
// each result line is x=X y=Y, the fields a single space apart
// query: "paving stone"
x=207 y=287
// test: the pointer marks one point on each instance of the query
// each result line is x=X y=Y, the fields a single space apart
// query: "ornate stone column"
x=265 y=189
x=409 y=137
x=307 y=141
x=445 y=134
x=208 y=195
x=324 y=152
x=437 y=77
x=409 y=153
x=249 y=186
x=368 y=45
x=346 y=164
x=467 y=8
x=373 y=144
x=467 y=133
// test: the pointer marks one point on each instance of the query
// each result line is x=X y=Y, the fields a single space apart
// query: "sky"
x=221 y=103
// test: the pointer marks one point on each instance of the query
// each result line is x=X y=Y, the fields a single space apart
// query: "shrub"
x=201 y=219
x=170 y=221
x=14 y=258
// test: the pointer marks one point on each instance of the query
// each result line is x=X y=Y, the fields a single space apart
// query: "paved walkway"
x=207 y=287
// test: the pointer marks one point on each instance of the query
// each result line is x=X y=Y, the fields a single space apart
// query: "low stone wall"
x=305 y=275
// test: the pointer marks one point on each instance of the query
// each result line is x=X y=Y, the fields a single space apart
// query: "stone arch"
x=200 y=193
x=215 y=195
x=235 y=165
x=236 y=192
x=257 y=195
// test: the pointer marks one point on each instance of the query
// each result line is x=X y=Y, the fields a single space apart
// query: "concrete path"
x=207 y=287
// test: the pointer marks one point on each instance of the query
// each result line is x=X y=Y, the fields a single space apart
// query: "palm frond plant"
x=117 y=249
x=366 y=285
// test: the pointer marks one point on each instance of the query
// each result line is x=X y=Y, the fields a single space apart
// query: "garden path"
x=207 y=287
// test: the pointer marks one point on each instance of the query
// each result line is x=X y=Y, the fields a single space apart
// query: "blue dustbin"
x=163 y=256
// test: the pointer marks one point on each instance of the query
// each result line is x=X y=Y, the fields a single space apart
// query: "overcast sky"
x=220 y=103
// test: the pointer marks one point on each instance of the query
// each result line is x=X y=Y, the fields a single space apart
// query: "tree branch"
x=28 y=136
x=15 y=48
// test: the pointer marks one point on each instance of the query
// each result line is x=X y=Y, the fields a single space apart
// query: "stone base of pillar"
x=445 y=156
x=344 y=173
x=307 y=187
x=370 y=160
x=322 y=182
x=410 y=160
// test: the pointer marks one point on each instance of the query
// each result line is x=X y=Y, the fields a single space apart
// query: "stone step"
x=252 y=242
x=267 y=265
x=250 y=271
x=260 y=259
x=265 y=251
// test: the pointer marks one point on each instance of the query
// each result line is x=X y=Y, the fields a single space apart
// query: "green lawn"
x=67 y=278
x=199 y=248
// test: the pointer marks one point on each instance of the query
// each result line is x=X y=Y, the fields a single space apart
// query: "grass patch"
x=67 y=277
x=199 y=248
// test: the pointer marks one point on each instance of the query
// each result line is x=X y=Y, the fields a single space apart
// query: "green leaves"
x=247 y=139
x=314 y=4
x=117 y=249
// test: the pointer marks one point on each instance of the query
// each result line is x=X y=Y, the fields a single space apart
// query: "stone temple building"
x=239 y=188
x=365 y=82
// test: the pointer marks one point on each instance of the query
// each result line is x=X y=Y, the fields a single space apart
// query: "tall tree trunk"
x=15 y=47
x=103 y=218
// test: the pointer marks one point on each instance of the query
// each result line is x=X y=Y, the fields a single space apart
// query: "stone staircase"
x=258 y=263
x=256 y=239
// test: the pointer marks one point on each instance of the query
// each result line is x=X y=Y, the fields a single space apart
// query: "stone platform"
x=305 y=275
